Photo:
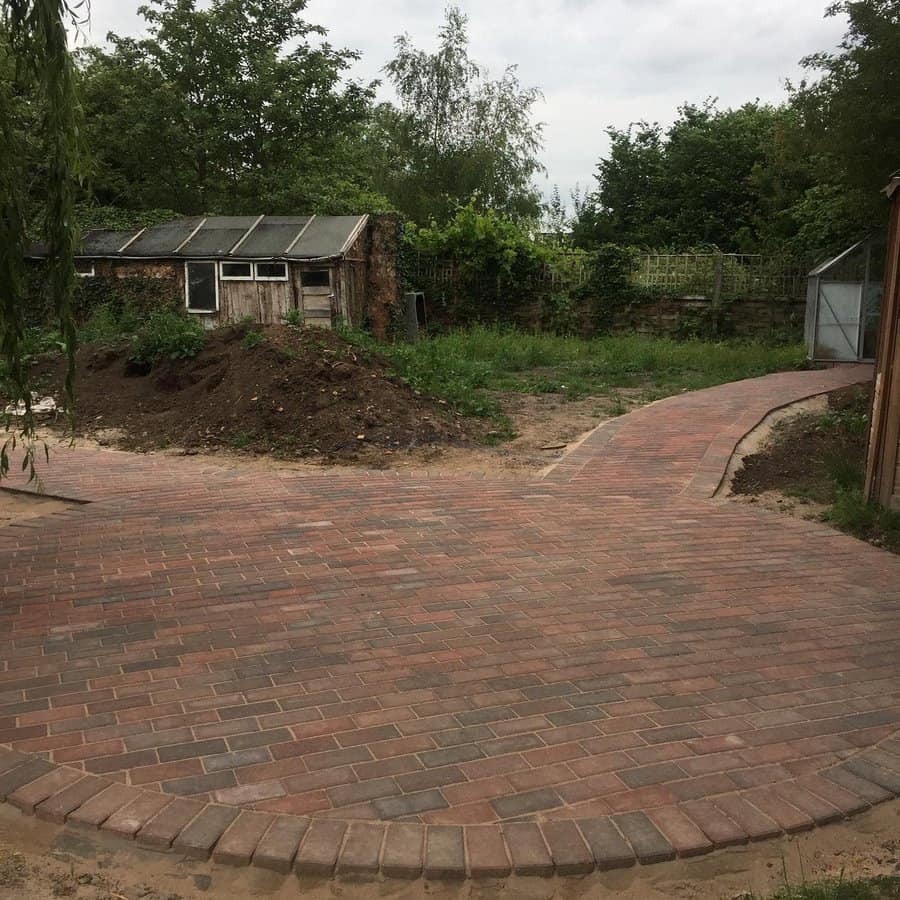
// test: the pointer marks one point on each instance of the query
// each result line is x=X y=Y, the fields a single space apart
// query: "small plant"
x=241 y=440
x=293 y=317
x=167 y=334
x=252 y=339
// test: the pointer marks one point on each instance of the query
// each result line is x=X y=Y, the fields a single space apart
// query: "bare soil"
x=303 y=399
x=39 y=861
x=294 y=393
x=798 y=455
x=19 y=507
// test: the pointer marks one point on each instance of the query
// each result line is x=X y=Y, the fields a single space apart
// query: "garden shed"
x=229 y=268
x=843 y=304
x=883 y=468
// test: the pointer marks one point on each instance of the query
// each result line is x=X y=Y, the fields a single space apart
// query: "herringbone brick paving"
x=603 y=646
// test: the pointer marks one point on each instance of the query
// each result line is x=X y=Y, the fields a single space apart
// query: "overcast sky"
x=598 y=62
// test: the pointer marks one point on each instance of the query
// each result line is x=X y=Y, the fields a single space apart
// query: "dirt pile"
x=267 y=389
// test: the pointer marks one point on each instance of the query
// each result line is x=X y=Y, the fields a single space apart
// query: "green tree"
x=714 y=178
x=233 y=107
x=35 y=66
x=849 y=112
x=458 y=135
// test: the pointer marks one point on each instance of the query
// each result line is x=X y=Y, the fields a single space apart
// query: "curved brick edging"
x=325 y=847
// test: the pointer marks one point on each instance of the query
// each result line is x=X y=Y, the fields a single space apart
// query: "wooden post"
x=884 y=436
x=718 y=276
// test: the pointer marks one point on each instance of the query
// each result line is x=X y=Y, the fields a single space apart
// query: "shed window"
x=202 y=287
x=274 y=271
x=84 y=268
x=315 y=278
x=237 y=271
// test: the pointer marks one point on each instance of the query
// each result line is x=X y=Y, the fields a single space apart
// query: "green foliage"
x=35 y=63
x=228 y=107
x=464 y=367
x=559 y=314
x=293 y=317
x=252 y=339
x=869 y=521
x=610 y=283
x=167 y=334
x=707 y=181
x=848 y=113
x=497 y=264
x=884 y=887
x=114 y=218
x=458 y=135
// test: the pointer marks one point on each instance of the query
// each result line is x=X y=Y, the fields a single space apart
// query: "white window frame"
x=91 y=274
x=235 y=262
x=274 y=262
x=187 y=287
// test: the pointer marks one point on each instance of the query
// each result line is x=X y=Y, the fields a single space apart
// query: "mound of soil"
x=293 y=393
x=802 y=453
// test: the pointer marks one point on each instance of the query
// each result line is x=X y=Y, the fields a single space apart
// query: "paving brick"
x=486 y=852
x=884 y=778
x=680 y=831
x=129 y=820
x=445 y=855
x=319 y=850
x=747 y=817
x=571 y=855
x=96 y=810
x=240 y=840
x=818 y=809
x=410 y=804
x=609 y=848
x=57 y=808
x=28 y=796
x=198 y=838
x=787 y=816
x=647 y=841
x=18 y=777
x=361 y=853
x=521 y=804
x=167 y=824
x=867 y=790
x=721 y=829
x=528 y=851
x=403 y=855
x=278 y=846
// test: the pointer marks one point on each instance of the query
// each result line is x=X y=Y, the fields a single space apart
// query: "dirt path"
x=39 y=861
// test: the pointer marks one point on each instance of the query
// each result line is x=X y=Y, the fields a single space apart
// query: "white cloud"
x=599 y=62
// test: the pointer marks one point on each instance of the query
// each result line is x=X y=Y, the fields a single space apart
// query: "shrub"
x=293 y=317
x=252 y=339
x=167 y=334
x=496 y=261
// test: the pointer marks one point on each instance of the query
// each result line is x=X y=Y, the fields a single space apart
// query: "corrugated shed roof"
x=162 y=240
x=227 y=237
x=325 y=236
x=273 y=236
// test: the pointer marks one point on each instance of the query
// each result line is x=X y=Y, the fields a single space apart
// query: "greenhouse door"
x=838 y=321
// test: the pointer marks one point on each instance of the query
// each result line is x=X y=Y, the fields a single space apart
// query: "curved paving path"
x=361 y=672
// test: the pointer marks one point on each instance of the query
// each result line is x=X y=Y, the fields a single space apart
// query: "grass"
x=880 y=888
x=465 y=367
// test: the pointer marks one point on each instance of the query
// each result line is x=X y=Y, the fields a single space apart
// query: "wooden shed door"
x=318 y=294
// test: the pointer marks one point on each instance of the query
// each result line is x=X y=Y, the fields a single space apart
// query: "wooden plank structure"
x=883 y=464
x=266 y=268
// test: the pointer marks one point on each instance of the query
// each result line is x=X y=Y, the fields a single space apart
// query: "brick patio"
x=412 y=674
